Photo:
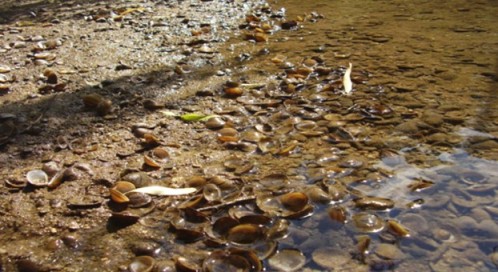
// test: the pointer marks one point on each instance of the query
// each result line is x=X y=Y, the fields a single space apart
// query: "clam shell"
x=56 y=180
x=160 y=153
x=188 y=235
x=219 y=261
x=151 y=162
x=125 y=217
x=338 y=214
x=37 y=178
x=330 y=258
x=124 y=186
x=152 y=104
x=151 y=139
x=196 y=181
x=92 y=100
x=245 y=233
x=137 y=200
x=215 y=123
x=367 y=222
x=142 y=264
x=252 y=136
x=117 y=196
x=222 y=225
x=279 y=230
x=294 y=201
x=228 y=132
x=317 y=195
x=374 y=203
x=211 y=192
x=185 y=265
x=287 y=260
x=138 y=179
x=397 y=229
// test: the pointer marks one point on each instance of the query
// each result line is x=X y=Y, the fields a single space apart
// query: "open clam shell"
x=37 y=178
x=246 y=233
x=142 y=264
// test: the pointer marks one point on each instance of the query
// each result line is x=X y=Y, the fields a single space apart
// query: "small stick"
x=228 y=203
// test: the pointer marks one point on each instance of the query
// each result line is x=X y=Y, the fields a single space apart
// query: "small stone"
x=19 y=44
x=73 y=225
x=389 y=251
x=494 y=258
x=479 y=214
x=465 y=223
x=488 y=228
x=432 y=118
x=408 y=127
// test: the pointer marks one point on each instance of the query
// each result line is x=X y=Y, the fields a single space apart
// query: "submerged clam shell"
x=287 y=260
x=220 y=261
x=294 y=201
x=330 y=258
x=374 y=203
x=317 y=195
x=367 y=222
x=397 y=229
x=338 y=214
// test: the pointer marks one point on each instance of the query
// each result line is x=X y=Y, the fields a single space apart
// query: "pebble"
x=389 y=251
x=432 y=118
x=19 y=45
x=479 y=214
x=409 y=127
x=71 y=241
x=465 y=223
x=488 y=228
x=494 y=258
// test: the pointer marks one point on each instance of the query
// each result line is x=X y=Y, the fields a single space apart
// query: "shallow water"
x=430 y=57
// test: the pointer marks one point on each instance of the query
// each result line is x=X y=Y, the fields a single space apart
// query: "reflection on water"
x=452 y=226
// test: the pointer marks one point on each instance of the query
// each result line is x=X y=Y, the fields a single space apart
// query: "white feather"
x=346 y=80
x=164 y=191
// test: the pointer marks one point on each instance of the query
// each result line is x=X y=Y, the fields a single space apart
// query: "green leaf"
x=191 y=117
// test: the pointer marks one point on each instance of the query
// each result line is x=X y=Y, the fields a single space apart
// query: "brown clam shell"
x=245 y=233
x=374 y=203
x=137 y=199
x=338 y=214
x=142 y=264
x=294 y=201
x=151 y=162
